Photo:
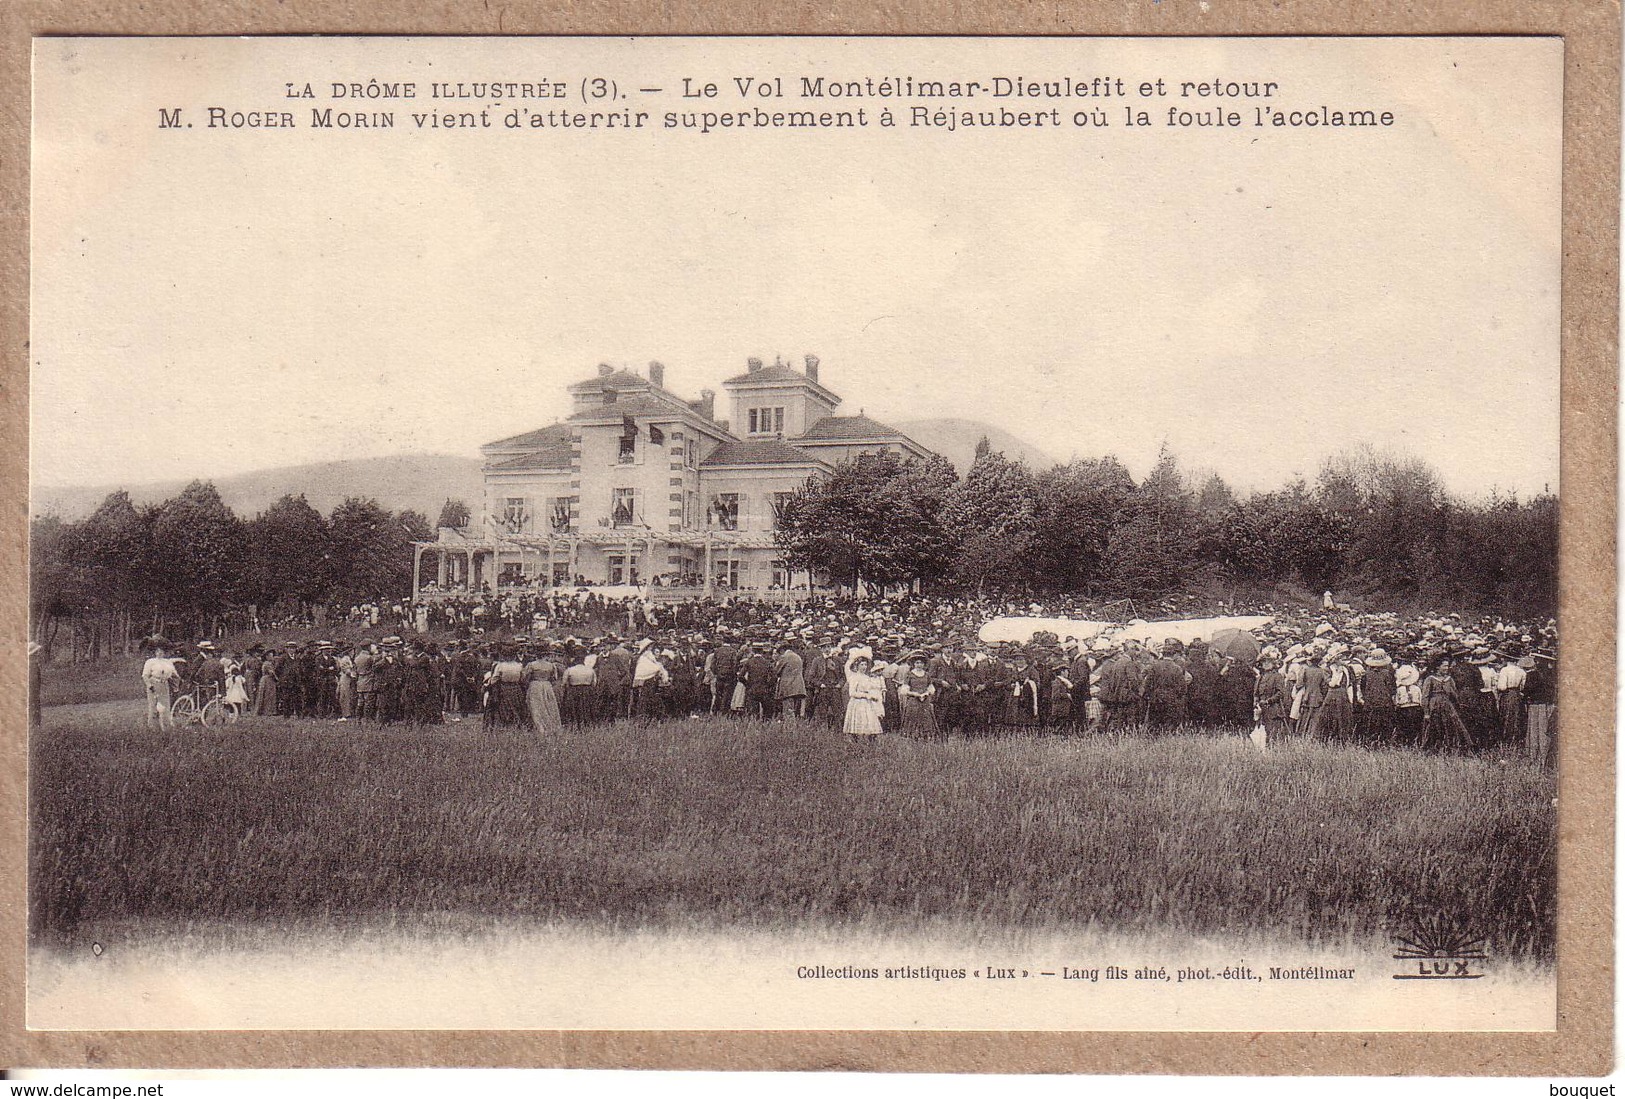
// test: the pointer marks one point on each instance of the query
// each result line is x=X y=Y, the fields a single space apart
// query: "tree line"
x=191 y=566
x=1373 y=526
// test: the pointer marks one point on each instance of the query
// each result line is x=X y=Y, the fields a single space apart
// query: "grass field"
x=713 y=823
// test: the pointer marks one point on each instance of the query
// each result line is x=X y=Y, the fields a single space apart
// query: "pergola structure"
x=465 y=562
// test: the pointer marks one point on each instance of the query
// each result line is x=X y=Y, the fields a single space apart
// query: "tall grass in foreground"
x=282 y=822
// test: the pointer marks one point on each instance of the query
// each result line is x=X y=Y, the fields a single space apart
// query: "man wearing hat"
x=790 y=688
x=760 y=681
x=1120 y=689
x=209 y=669
x=613 y=674
x=310 y=680
x=722 y=670
x=989 y=680
x=1377 y=690
x=1165 y=684
x=947 y=670
x=366 y=684
x=327 y=679
x=1540 y=706
x=388 y=677
x=815 y=669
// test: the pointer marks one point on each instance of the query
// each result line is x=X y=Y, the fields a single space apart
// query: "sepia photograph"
x=940 y=534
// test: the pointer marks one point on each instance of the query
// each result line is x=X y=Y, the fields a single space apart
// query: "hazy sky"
x=208 y=302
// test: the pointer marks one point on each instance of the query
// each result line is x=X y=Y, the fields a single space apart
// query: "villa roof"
x=759 y=452
x=617 y=379
x=542 y=436
x=777 y=374
x=634 y=406
x=832 y=428
x=556 y=456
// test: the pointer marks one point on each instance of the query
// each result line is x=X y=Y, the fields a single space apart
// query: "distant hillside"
x=419 y=481
x=956 y=440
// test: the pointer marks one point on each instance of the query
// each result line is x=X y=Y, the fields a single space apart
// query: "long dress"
x=1022 y=708
x=265 y=696
x=346 y=688
x=577 y=707
x=540 y=676
x=1334 y=720
x=866 y=698
x=1270 y=696
x=1442 y=726
x=1312 y=687
x=510 y=693
x=916 y=697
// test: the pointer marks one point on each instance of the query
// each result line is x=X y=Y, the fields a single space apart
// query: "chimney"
x=657 y=375
x=708 y=403
x=812 y=368
x=753 y=364
x=605 y=370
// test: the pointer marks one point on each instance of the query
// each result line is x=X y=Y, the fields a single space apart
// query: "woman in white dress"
x=866 y=696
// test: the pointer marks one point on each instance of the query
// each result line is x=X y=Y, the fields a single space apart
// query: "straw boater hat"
x=1378 y=658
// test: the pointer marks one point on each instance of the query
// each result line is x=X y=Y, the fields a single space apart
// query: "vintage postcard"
x=776 y=534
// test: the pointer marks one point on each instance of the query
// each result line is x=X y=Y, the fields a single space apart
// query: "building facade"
x=638 y=486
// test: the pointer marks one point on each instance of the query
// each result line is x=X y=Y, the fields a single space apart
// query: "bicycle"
x=204 y=705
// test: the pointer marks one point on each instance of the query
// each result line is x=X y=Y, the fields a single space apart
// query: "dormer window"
x=765 y=421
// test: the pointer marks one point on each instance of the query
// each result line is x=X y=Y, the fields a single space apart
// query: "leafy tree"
x=1214 y=495
x=875 y=520
x=921 y=493
x=113 y=550
x=415 y=525
x=1152 y=548
x=197 y=554
x=1075 y=508
x=992 y=516
x=55 y=589
x=290 y=551
x=454 y=513
x=371 y=554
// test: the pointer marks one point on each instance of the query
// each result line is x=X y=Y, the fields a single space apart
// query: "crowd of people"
x=914 y=667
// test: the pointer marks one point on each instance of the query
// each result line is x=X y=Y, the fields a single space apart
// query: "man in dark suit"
x=614 y=680
x=725 y=670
